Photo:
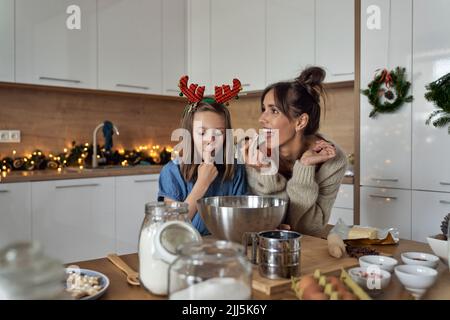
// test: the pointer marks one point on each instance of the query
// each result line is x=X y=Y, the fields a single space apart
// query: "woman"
x=311 y=168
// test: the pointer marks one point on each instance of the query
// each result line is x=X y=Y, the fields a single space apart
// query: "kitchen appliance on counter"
x=276 y=252
x=229 y=217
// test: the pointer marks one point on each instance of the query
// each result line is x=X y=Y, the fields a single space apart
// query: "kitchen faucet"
x=94 y=144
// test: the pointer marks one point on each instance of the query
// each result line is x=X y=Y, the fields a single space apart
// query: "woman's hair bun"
x=312 y=76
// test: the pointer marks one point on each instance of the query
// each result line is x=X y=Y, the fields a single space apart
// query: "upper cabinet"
x=431 y=58
x=174 y=45
x=335 y=25
x=199 y=43
x=386 y=139
x=144 y=46
x=290 y=38
x=7 y=40
x=129 y=45
x=56 y=42
x=238 y=43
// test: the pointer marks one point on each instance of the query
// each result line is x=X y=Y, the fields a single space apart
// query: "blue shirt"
x=172 y=185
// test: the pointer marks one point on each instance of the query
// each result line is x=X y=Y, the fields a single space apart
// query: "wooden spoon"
x=132 y=276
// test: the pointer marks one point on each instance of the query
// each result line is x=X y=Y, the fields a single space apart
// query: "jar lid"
x=173 y=234
x=158 y=208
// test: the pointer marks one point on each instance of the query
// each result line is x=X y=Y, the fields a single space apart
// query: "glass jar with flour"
x=212 y=270
x=164 y=229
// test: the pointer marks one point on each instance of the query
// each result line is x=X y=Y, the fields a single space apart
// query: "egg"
x=314 y=292
x=318 y=296
x=305 y=282
x=348 y=296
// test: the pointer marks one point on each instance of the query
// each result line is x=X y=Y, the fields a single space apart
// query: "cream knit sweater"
x=311 y=193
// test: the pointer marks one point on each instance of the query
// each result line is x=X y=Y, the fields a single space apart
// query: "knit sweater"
x=311 y=194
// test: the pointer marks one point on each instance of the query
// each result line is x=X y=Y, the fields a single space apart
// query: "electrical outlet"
x=9 y=136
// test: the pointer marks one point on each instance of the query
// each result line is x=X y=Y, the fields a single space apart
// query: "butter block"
x=357 y=232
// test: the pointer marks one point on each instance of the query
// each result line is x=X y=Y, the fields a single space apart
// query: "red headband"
x=222 y=94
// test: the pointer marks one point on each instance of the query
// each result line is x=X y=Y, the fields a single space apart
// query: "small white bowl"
x=420 y=258
x=439 y=247
x=371 y=278
x=416 y=279
x=385 y=263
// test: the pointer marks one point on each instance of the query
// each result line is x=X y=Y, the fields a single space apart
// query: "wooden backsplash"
x=50 y=118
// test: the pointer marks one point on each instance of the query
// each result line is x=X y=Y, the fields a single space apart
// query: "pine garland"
x=439 y=94
x=394 y=80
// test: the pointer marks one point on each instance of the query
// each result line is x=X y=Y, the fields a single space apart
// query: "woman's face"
x=272 y=119
x=208 y=133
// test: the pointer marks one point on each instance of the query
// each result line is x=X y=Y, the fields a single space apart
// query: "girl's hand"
x=206 y=173
x=318 y=153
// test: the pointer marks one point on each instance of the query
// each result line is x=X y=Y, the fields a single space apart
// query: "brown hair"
x=302 y=95
x=189 y=170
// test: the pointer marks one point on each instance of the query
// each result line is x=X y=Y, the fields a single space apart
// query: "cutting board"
x=314 y=255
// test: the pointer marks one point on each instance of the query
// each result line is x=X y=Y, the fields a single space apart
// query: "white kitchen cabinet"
x=129 y=45
x=199 y=43
x=431 y=58
x=132 y=193
x=335 y=30
x=386 y=208
x=15 y=213
x=346 y=215
x=47 y=51
x=74 y=219
x=428 y=211
x=290 y=38
x=238 y=43
x=7 y=40
x=386 y=139
x=174 y=45
x=343 y=206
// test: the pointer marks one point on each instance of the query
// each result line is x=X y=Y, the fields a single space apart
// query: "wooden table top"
x=119 y=289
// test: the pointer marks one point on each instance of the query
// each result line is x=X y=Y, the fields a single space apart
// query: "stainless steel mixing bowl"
x=229 y=217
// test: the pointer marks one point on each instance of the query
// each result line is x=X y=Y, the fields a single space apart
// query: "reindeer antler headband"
x=194 y=93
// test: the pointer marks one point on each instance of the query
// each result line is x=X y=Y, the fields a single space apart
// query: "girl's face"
x=208 y=132
x=272 y=119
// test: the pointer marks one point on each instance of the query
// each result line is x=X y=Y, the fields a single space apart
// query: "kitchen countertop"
x=120 y=290
x=74 y=173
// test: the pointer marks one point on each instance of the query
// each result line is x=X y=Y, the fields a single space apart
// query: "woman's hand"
x=253 y=157
x=319 y=152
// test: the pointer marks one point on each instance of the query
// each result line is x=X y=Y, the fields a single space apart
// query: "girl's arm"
x=206 y=174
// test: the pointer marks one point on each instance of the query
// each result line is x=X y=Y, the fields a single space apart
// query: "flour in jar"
x=153 y=272
x=215 y=289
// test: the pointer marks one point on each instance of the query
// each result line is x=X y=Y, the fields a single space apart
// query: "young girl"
x=206 y=121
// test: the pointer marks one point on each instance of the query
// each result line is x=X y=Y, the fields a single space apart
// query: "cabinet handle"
x=77 y=186
x=443 y=183
x=4 y=191
x=343 y=74
x=245 y=85
x=145 y=180
x=131 y=86
x=444 y=202
x=172 y=90
x=59 y=79
x=382 y=197
x=385 y=179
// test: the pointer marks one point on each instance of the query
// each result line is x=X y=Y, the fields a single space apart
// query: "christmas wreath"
x=388 y=91
x=439 y=94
